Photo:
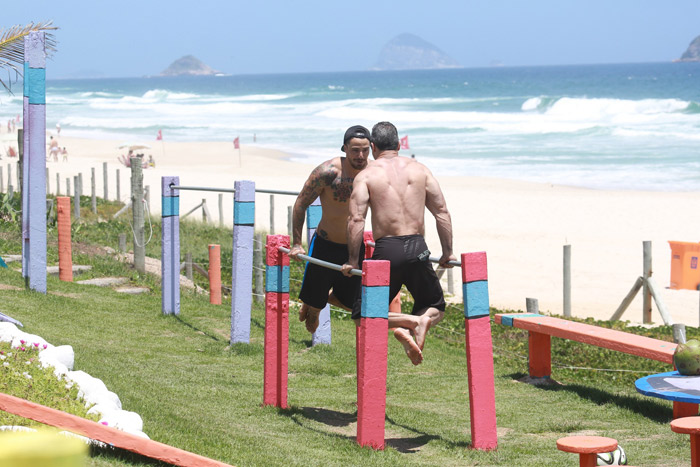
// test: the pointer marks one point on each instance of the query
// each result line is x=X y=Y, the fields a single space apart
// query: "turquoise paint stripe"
x=243 y=213
x=313 y=216
x=2 y=264
x=507 y=320
x=25 y=83
x=375 y=302
x=277 y=279
x=37 y=85
x=170 y=206
x=476 y=299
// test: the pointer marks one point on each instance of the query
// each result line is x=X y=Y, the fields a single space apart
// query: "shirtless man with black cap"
x=398 y=189
x=332 y=182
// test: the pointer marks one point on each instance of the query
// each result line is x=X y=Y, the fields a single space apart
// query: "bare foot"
x=421 y=330
x=310 y=316
x=412 y=350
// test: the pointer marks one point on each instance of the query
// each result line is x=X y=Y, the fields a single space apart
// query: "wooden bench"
x=541 y=328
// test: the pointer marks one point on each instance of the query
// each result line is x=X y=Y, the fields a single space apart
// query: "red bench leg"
x=540 y=355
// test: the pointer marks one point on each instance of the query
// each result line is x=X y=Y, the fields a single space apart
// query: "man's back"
x=397 y=196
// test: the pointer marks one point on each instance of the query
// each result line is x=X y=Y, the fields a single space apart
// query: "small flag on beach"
x=159 y=137
x=404 y=142
x=236 y=144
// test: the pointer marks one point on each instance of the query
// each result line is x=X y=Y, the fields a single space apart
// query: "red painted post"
x=65 y=255
x=479 y=347
x=539 y=355
x=215 y=274
x=276 y=322
x=372 y=353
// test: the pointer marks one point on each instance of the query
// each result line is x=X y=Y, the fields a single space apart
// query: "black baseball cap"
x=357 y=131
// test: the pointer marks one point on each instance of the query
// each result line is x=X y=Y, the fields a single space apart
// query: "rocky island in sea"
x=692 y=54
x=189 y=65
x=410 y=52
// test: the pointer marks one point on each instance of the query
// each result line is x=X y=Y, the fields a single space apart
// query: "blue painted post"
x=34 y=185
x=170 y=246
x=323 y=332
x=242 y=267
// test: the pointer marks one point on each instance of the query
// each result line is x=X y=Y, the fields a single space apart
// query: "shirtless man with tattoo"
x=398 y=190
x=332 y=182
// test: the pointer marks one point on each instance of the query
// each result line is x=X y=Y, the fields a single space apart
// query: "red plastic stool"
x=690 y=426
x=587 y=447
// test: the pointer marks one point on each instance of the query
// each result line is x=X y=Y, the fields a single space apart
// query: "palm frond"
x=12 y=46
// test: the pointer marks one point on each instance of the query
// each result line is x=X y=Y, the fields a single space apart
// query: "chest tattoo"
x=342 y=189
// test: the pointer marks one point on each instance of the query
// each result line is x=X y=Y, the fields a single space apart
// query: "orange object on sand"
x=685 y=271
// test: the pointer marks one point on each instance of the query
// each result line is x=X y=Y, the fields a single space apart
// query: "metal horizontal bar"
x=432 y=258
x=320 y=262
x=231 y=190
x=202 y=188
x=276 y=192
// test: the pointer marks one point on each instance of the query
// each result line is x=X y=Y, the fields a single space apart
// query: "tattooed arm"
x=319 y=179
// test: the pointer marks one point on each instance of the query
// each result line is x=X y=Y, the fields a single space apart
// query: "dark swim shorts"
x=319 y=280
x=410 y=265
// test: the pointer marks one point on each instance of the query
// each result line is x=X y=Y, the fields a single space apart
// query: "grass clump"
x=22 y=375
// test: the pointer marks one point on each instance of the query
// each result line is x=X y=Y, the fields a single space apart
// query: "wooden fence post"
x=137 y=214
x=122 y=243
x=93 y=189
x=76 y=197
x=258 y=265
x=221 y=209
x=242 y=262
x=105 y=181
x=567 y=281
x=272 y=214
x=119 y=196
x=646 y=293
x=58 y=184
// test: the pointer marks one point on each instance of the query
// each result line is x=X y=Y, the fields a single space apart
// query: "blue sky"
x=136 y=38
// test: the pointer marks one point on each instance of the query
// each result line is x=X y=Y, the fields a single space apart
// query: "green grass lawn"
x=196 y=392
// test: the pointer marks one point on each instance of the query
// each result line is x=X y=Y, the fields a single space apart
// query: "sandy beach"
x=522 y=226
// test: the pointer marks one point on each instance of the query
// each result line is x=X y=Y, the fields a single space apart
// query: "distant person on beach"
x=65 y=154
x=58 y=129
x=332 y=182
x=398 y=189
x=151 y=161
x=53 y=149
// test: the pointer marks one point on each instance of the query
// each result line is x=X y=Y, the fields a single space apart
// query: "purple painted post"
x=323 y=332
x=34 y=189
x=242 y=268
x=170 y=246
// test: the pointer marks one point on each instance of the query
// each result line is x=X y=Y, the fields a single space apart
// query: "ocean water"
x=628 y=126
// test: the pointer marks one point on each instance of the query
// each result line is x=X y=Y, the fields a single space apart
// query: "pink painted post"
x=372 y=353
x=276 y=322
x=479 y=347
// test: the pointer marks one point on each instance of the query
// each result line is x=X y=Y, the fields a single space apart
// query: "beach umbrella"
x=133 y=147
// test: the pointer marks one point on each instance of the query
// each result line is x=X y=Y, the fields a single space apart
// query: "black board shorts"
x=319 y=280
x=410 y=266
